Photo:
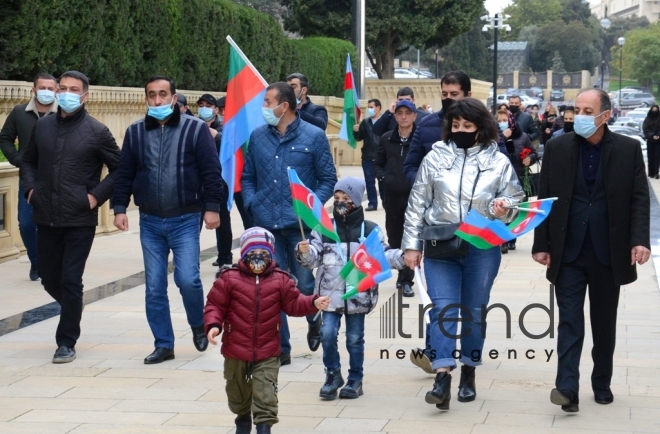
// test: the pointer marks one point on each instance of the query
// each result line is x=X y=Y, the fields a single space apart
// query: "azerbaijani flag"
x=367 y=268
x=526 y=221
x=352 y=110
x=309 y=208
x=483 y=232
x=245 y=96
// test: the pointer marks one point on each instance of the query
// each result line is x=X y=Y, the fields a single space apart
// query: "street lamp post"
x=621 y=41
x=605 y=23
x=496 y=23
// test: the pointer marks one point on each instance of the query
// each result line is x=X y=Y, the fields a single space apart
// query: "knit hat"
x=257 y=238
x=353 y=187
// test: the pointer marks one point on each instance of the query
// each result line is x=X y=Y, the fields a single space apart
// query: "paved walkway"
x=109 y=390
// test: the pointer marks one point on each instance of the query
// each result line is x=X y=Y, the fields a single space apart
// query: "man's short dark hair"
x=473 y=110
x=605 y=102
x=285 y=93
x=570 y=108
x=535 y=105
x=376 y=102
x=43 y=76
x=303 y=80
x=78 y=75
x=514 y=97
x=164 y=78
x=406 y=91
x=458 y=77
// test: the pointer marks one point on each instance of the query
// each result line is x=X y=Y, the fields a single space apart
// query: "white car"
x=406 y=73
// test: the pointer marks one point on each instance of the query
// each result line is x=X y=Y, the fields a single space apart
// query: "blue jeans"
x=26 y=226
x=285 y=245
x=354 y=342
x=466 y=281
x=180 y=235
x=370 y=181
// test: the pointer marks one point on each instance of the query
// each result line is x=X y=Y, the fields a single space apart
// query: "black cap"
x=221 y=102
x=181 y=99
x=208 y=98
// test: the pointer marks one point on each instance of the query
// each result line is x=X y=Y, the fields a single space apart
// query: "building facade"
x=627 y=8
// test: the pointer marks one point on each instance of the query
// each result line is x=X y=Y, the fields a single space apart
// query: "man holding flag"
x=286 y=142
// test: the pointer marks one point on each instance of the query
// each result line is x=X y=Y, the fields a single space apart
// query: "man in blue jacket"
x=169 y=163
x=286 y=142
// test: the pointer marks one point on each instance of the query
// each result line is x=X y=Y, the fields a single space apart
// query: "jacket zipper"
x=160 y=156
x=256 y=321
x=460 y=190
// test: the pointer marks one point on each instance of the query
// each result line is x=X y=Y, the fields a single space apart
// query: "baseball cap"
x=407 y=104
x=208 y=98
x=221 y=102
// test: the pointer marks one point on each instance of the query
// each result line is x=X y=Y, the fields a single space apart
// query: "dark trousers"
x=248 y=221
x=370 y=181
x=223 y=236
x=395 y=215
x=572 y=282
x=63 y=254
x=653 y=156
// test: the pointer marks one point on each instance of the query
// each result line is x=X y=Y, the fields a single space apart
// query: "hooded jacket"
x=325 y=255
x=246 y=308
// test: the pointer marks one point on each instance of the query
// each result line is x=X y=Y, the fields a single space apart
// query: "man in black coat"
x=61 y=174
x=387 y=122
x=523 y=120
x=597 y=230
x=364 y=132
x=316 y=115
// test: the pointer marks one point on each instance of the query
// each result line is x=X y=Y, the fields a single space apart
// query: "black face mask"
x=446 y=103
x=568 y=127
x=257 y=262
x=464 y=140
x=654 y=113
x=344 y=208
x=514 y=109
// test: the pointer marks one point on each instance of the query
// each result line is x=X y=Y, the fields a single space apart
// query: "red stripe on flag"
x=239 y=170
x=348 y=81
x=243 y=87
x=488 y=235
x=299 y=192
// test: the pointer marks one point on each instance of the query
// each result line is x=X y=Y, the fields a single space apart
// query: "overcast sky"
x=494 y=6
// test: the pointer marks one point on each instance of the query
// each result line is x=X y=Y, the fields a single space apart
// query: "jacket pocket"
x=300 y=156
x=81 y=199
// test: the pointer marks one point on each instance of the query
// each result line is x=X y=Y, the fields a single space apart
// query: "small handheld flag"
x=352 y=110
x=367 y=267
x=526 y=221
x=309 y=208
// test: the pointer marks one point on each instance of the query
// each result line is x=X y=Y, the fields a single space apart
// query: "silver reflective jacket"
x=445 y=185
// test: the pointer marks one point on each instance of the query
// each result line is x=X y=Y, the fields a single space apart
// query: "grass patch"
x=2 y=157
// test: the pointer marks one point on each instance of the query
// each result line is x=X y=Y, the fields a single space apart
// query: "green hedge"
x=124 y=42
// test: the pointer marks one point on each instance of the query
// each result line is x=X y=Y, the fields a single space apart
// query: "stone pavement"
x=108 y=389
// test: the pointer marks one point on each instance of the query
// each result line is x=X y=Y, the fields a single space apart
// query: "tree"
x=618 y=28
x=470 y=52
x=573 y=10
x=390 y=24
x=531 y=12
x=557 y=63
x=270 y=7
x=641 y=55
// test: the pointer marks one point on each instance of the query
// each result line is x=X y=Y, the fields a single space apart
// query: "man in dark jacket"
x=524 y=120
x=61 y=174
x=597 y=230
x=316 y=115
x=392 y=150
x=170 y=165
x=387 y=122
x=287 y=142
x=19 y=126
x=364 y=132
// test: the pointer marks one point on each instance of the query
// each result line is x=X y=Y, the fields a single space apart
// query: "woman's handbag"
x=440 y=241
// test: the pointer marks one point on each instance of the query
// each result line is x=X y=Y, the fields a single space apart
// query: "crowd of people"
x=430 y=169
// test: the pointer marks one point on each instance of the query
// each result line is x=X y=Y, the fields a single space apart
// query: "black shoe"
x=352 y=390
x=371 y=208
x=285 y=359
x=440 y=395
x=243 y=424
x=566 y=398
x=217 y=264
x=467 y=390
x=64 y=355
x=504 y=248
x=199 y=338
x=263 y=428
x=512 y=245
x=314 y=336
x=603 y=397
x=657 y=176
x=407 y=290
x=159 y=356
x=34 y=272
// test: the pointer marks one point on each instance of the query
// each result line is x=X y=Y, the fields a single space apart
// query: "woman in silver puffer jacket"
x=464 y=171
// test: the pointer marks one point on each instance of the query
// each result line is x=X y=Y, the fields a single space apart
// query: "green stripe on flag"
x=476 y=241
x=349 y=110
x=236 y=62
x=307 y=215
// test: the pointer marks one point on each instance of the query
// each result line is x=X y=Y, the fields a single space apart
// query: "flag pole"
x=246 y=60
x=329 y=296
x=302 y=231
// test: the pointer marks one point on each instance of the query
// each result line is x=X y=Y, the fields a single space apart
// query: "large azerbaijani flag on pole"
x=367 y=267
x=309 y=208
x=245 y=97
x=352 y=110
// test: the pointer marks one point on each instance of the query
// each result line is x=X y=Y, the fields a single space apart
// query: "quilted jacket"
x=246 y=307
x=265 y=181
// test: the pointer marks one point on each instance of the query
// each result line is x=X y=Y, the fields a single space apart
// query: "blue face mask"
x=269 y=115
x=160 y=112
x=371 y=112
x=69 y=102
x=206 y=113
x=584 y=125
x=503 y=125
x=45 y=96
x=221 y=118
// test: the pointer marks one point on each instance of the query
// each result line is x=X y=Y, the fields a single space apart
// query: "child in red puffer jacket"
x=245 y=303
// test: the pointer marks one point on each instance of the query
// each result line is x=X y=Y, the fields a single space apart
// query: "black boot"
x=263 y=428
x=466 y=389
x=199 y=338
x=440 y=395
x=244 y=424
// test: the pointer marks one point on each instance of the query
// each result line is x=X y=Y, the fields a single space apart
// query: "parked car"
x=630 y=133
x=406 y=73
x=369 y=72
x=641 y=89
x=426 y=72
x=614 y=96
x=538 y=92
x=557 y=95
x=637 y=99
x=625 y=121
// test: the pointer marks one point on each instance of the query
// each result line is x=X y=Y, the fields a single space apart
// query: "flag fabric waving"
x=245 y=97
x=352 y=110
x=309 y=208
x=367 y=267
x=526 y=221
